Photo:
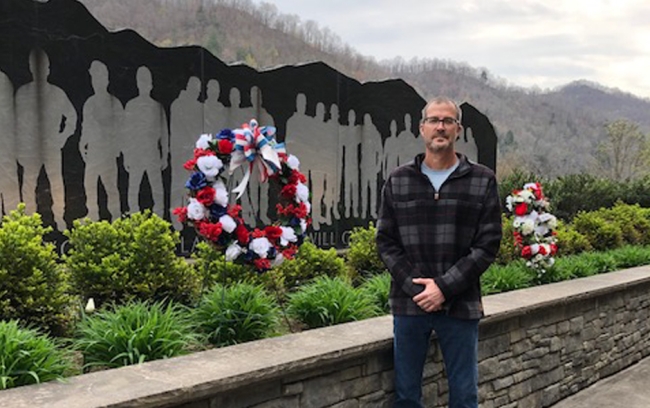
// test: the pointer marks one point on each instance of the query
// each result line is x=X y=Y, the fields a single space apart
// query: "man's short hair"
x=442 y=100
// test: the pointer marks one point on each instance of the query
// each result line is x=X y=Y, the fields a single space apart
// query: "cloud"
x=528 y=42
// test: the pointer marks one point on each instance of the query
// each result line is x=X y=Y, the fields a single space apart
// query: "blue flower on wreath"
x=226 y=134
x=217 y=211
x=197 y=181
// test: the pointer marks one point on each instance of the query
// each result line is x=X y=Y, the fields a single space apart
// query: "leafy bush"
x=134 y=333
x=632 y=220
x=328 y=301
x=310 y=263
x=581 y=192
x=29 y=357
x=132 y=258
x=631 y=256
x=504 y=278
x=213 y=268
x=600 y=232
x=362 y=255
x=568 y=267
x=570 y=241
x=32 y=286
x=508 y=251
x=377 y=288
x=599 y=262
x=236 y=314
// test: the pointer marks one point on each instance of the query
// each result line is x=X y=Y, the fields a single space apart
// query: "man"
x=438 y=230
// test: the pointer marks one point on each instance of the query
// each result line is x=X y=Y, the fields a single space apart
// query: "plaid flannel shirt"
x=451 y=235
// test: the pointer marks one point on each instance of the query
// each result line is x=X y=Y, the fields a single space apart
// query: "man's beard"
x=432 y=146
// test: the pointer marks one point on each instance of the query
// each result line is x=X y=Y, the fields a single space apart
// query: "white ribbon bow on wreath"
x=255 y=145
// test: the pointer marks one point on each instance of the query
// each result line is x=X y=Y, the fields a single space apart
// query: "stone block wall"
x=537 y=346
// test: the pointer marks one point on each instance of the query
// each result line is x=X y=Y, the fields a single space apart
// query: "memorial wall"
x=98 y=123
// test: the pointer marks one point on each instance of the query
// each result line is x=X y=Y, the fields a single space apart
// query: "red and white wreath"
x=534 y=227
x=208 y=207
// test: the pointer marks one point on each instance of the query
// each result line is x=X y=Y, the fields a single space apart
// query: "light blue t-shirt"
x=437 y=177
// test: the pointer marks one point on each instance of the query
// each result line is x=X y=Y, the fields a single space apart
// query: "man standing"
x=438 y=230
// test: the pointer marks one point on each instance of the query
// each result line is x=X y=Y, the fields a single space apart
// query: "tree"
x=625 y=152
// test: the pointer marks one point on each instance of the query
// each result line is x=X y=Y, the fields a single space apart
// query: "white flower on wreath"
x=260 y=246
x=526 y=196
x=528 y=226
x=549 y=220
x=302 y=193
x=303 y=225
x=293 y=162
x=195 y=210
x=220 y=193
x=233 y=252
x=204 y=141
x=288 y=235
x=227 y=223
x=509 y=204
x=209 y=165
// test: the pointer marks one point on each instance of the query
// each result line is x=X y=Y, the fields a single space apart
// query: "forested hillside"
x=549 y=132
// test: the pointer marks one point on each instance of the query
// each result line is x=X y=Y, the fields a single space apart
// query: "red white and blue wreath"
x=208 y=207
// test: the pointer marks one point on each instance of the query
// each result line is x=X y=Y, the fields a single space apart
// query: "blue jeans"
x=458 y=340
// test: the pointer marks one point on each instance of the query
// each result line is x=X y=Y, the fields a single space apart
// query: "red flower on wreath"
x=301 y=211
x=190 y=164
x=211 y=231
x=225 y=146
x=206 y=196
x=273 y=233
x=297 y=177
x=289 y=253
x=242 y=234
x=180 y=213
x=262 y=264
x=258 y=233
x=542 y=249
x=234 y=211
x=526 y=252
x=521 y=209
x=198 y=152
x=288 y=191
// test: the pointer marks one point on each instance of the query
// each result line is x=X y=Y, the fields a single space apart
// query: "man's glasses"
x=447 y=121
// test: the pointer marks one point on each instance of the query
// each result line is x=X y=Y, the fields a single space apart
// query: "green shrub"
x=310 y=263
x=574 y=193
x=377 y=288
x=328 y=301
x=568 y=267
x=236 y=314
x=582 y=265
x=29 y=357
x=504 y=278
x=600 y=232
x=32 y=286
x=134 y=333
x=632 y=220
x=212 y=267
x=362 y=255
x=631 y=256
x=599 y=262
x=508 y=251
x=132 y=258
x=570 y=241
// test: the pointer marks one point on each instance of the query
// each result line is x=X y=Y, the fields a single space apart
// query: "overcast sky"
x=526 y=42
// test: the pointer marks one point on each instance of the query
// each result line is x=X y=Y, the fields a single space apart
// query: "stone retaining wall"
x=537 y=346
